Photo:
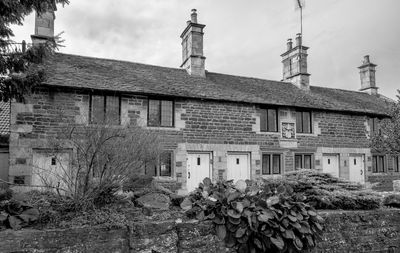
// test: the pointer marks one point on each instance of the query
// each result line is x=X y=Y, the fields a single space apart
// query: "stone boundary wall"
x=346 y=231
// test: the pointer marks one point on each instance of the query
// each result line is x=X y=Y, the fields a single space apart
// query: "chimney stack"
x=193 y=59
x=44 y=26
x=367 y=76
x=289 y=44
x=295 y=64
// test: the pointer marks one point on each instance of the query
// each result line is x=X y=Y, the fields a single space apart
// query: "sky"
x=242 y=37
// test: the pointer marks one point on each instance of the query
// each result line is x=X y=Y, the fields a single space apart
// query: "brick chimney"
x=44 y=27
x=367 y=76
x=295 y=64
x=193 y=59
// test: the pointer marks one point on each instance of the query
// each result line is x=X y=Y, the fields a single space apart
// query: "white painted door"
x=356 y=169
x=238 y=167
x=51 y=170
x=198 y=168
x=330 y=165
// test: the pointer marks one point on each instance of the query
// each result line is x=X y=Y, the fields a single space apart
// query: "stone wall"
x=346 y=231
x=205 y=126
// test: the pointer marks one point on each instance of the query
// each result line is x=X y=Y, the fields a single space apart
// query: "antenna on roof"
x=300 y=4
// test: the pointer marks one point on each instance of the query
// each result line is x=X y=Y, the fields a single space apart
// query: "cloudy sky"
x=242 y=37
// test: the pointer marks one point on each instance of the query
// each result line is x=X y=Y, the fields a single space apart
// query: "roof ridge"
x=330 y=88
x=249 y=77
x=115 y=60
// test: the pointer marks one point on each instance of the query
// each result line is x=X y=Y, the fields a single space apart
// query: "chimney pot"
x=193 y=16
x=289 y=44
x=366 y=59
x=23 y=46
x=298 y=39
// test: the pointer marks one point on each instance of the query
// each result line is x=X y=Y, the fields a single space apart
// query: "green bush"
x=254 y=219
x=15 y=212
x=392 y=200
x=323 y=191
x=5 y=194
x=137 y=182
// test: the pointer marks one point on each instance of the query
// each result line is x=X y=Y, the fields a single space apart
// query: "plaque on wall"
x=288 y=130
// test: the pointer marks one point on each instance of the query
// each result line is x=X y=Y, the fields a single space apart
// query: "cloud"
x=241 y=37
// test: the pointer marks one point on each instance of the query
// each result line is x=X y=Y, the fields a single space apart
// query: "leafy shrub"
x=16 y=213
x=5 y=194
x=324 y=191
x=256 y=219
x=137 y=182
x=392 y=200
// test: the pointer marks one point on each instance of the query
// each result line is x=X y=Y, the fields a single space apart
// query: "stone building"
x=4 y=135
x=214 y=125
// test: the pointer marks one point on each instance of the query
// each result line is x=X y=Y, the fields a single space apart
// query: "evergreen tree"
x=387 y=140
x=20 y=69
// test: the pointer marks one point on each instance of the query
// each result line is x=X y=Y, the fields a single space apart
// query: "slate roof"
x=4 y=118
x=104 y=74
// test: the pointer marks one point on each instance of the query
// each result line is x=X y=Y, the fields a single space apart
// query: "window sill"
x=262 y=132
x=164 y=179
x=305 y=134
x=162 y=128
x=273 y=176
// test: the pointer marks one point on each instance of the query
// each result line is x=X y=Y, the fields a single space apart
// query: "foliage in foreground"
x=15 y=212
x=323 y=191
x=103 y=158
x=256 y=219
x=392 y=200
x=387 y=139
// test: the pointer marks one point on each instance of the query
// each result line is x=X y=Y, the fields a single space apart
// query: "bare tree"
x=90 y=158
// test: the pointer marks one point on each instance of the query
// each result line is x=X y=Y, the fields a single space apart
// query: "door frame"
x=364 y=164
x=240 y=153
x=331 y=154
x=193 y=152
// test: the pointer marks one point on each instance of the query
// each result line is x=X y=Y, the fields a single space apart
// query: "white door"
x=198 y=168
x=330 y=165
x=51 y=170
x=356 y=169
x=238 y=167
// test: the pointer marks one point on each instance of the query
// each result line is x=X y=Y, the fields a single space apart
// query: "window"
x=271 y=164
x=303 y=161
x=162 y=167
x=378 y=163
x=19 y=180
x=160 y=113
x=303 y=122
x=374 y=125
x=105 y=109
x=396 y=165
x=269 y=120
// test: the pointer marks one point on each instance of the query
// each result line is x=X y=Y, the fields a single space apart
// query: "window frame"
x=266 y=111
x=105 y=95
x=375 y=164
x=157 y=165
x=374 y=125
x=396 y=163
x=271 y=169
x=160 y=110
x=302 y=122
x=303 y=160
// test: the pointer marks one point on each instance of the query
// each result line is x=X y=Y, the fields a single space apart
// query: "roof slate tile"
x=104 y=74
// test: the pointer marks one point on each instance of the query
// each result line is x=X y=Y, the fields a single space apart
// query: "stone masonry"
x=200 y=125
